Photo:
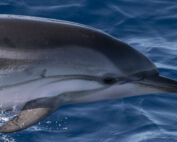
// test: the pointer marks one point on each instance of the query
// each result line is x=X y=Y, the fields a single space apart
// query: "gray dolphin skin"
x=46 y=63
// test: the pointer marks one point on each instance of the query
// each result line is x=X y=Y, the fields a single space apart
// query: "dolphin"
x=46 y=63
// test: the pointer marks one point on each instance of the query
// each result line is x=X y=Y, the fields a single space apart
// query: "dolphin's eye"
x=109 y=80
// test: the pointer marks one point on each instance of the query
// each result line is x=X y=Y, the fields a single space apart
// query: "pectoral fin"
x=33 y=112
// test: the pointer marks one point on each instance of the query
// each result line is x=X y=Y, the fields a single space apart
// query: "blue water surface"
x=150 y=26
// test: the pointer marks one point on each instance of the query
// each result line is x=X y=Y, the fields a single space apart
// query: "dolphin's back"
x=26 y=34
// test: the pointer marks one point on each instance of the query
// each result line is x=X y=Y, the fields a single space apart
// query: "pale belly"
x=20 y=93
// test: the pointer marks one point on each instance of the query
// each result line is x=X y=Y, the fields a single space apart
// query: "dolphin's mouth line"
x=159 y=82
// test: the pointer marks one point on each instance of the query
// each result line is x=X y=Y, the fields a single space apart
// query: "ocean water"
x=150 y=26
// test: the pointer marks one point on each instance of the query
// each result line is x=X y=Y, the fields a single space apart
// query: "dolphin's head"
x=113 y=87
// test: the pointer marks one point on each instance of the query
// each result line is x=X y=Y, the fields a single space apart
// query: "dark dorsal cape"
x=22 y=32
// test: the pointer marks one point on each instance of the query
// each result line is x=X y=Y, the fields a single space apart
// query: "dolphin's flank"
x=45 y=63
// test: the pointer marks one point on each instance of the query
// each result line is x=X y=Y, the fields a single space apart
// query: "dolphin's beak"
x=159 y=84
